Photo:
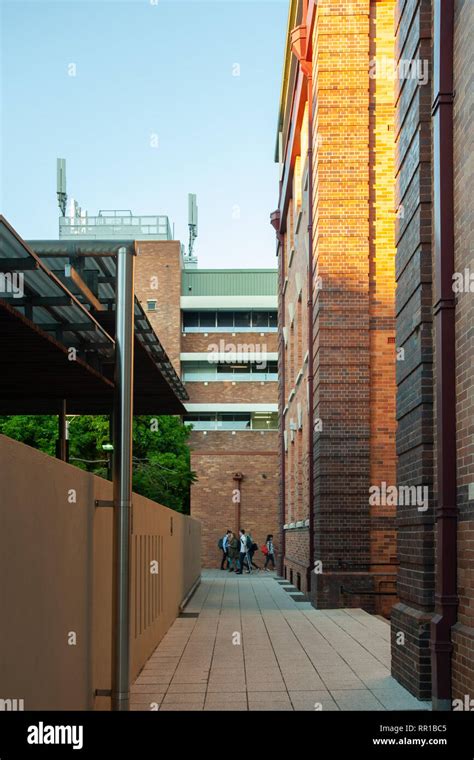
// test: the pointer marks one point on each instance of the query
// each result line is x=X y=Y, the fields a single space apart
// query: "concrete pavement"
x=244 y=643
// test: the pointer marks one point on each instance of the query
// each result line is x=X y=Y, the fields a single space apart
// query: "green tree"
x=161 y=455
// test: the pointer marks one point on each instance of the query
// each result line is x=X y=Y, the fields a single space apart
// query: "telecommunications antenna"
x=61 y=184
x=192 y=221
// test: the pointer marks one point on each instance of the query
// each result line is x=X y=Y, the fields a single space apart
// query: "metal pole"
x=122 y=479
x=446 y=599
x=62 y=445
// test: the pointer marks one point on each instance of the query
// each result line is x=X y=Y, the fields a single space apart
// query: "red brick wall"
x=463 y=634
x=215 y=458
x=198 y=342
x=353 y=316
x=228 y=392
x=161 y=260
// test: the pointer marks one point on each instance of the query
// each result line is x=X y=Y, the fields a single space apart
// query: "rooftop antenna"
x=192 y=221
x=61 y=184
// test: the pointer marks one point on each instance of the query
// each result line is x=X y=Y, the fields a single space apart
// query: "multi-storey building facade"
x=378 y=194
x=336 y=250
x=219 y=328
x=433 y=625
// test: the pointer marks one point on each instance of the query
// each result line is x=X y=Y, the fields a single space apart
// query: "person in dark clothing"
x=270 y=557
x=253 y=548
x=225 y=550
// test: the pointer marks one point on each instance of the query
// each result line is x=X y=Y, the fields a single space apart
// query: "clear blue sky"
x=144 y=69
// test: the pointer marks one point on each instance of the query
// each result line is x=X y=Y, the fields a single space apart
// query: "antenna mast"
x=192 y=222
x=61 y=184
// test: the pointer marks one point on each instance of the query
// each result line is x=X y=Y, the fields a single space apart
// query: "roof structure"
x=229 y=282
x=57 y=319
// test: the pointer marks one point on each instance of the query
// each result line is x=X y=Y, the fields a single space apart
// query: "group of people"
x=238 y=552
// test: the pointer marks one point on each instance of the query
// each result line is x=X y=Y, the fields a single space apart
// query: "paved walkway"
x=245 y=644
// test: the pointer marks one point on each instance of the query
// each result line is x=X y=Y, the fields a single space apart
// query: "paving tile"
x=291 y=655
x=269 y=701
x=147 y=698
x=356 y=699
x=187 y=688
x=312 y=701
x=177 y=698
x=392 y=699
x=226 y=702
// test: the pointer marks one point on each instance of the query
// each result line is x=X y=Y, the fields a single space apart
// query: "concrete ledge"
x=190 y=593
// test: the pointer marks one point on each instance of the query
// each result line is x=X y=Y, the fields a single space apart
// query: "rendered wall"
x=56 y=569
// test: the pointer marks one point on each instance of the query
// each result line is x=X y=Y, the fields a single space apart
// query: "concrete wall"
x=56 y=570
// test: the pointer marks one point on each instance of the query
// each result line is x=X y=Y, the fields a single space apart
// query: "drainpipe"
x=62 y=444
x=238 y=477
x=122 y=479
x=446 y=600
x=275 y=220
x=302 y=50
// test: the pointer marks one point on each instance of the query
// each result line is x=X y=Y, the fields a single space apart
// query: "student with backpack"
x=269 y=551
x=233 y=553
x=252 y=549
x=223 y=546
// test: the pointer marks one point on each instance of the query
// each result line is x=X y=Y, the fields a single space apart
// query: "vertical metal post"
x=446 y=599
x=61 y=443
x=238 y=477
x=122 y=478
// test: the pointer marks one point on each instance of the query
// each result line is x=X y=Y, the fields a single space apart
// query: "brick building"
x=219 y=329
x=433 y=625
x=336 y=249
x=389 y=139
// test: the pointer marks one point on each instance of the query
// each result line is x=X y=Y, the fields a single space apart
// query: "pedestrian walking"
x=233 y=553
x=222 y=544
x=270 y=553
x=252 y=549
x=243 y=550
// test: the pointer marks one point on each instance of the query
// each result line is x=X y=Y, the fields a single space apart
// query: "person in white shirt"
x=243 y=550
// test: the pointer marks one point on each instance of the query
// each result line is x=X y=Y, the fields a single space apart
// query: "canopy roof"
x=57 y=322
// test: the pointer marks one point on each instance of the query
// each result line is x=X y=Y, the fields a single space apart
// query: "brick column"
x=411 y=617
x=341 y=307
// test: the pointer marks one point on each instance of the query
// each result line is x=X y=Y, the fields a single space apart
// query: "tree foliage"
x=161 y=455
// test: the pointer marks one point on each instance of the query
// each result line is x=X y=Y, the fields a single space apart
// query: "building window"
x=233 y=421
x=238 y=371
x=151 y=305
x=230 y=321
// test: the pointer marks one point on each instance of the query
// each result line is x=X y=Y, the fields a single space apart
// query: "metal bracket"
x=102 y=503
x=103 y=692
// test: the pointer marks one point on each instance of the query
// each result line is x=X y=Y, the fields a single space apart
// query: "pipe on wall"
x=237 y=497
x=122 y=479
x=275 y=221
x=302 y=49
x=446 y=600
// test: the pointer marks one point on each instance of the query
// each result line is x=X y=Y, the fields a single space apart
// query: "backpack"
x=265 y=549
x=220 y=543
